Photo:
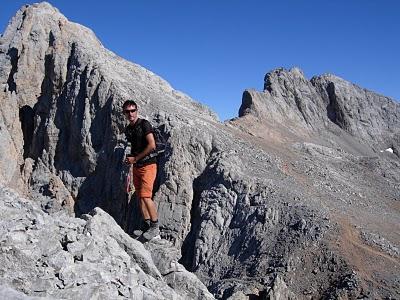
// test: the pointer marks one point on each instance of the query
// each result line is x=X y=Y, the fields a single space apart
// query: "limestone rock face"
x=325 y=105
x=61 y=96
x=362 y=113
x=285 y=201
x=61 y=257
x=287 y=96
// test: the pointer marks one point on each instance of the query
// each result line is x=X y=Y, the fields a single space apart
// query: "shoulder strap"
x=138 y=122
x=138 y=125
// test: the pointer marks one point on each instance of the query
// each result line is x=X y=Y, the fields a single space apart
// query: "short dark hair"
x=129 y=103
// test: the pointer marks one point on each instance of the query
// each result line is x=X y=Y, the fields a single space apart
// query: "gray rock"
x=280 y=290
x=166 y=257
x=87 y=259
x=381 y=242
x=9 y=293
x=326 y=105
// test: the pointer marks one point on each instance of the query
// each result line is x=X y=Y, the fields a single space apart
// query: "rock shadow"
x=26 y=117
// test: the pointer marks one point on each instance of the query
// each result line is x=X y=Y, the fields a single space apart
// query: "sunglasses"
x=127 y=111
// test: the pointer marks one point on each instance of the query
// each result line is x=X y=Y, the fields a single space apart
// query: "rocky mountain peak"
x=325 y=104
x=33 y=21
x=281 y=76
x=53 y=69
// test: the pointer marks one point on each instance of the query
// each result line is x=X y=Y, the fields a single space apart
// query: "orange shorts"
x=143 y=180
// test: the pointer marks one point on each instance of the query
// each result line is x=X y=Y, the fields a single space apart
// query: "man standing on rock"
x=139 y=133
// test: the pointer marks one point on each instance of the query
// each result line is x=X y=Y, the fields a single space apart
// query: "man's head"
x=130 y=111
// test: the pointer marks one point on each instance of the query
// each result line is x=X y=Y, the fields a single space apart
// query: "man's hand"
x=130 y=160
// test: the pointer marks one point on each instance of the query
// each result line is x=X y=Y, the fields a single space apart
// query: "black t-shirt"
x=136 y=135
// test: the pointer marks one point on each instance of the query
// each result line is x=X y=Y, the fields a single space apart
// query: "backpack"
x=161 y=145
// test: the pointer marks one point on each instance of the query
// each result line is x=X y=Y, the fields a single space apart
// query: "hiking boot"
x=137 y=233
x=143 y=228
x=153 y=232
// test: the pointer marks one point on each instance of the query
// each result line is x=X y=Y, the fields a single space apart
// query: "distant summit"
x=325 y=103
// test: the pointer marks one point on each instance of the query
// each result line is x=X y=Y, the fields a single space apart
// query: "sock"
x=153 y=223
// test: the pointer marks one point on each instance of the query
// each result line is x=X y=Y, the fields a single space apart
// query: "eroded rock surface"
x=329 y=106
x=62 y=257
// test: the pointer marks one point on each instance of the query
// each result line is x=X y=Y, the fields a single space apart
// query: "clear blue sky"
x=214 y=49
